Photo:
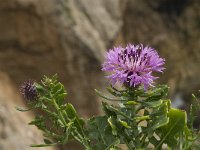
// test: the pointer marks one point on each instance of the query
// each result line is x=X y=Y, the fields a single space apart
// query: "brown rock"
x=68 y=37
x=172 y=27
x=59 y=36
x=15 y=133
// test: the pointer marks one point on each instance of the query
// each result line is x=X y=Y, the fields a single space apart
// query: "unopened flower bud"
x=29 y=91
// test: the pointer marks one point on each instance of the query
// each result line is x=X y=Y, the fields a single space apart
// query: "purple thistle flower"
x=133 y=65
x=28 y=90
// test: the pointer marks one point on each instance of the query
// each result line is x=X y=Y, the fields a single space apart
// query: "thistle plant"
x=141 y=118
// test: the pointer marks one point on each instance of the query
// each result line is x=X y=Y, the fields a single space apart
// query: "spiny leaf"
x=177 y=122
x=105 y=97
x=111 y=121
x=152 y=103
x=70 y=110
x=22 y=109
x=44 y=145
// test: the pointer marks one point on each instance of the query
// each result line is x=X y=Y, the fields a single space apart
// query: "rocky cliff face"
x=172 y=27
x=14 y=131
x=69 y=37
x=59 y=36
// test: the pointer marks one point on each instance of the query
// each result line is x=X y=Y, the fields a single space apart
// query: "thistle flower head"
x=28 y=90
x=133 y=65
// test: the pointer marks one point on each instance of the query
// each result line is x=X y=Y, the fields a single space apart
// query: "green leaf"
x=40 y=88
x=131 y=103
x=153 y=103
x=22 y=109
x=107 y=110
x=44 y=145
x=70 y=110
x=159 y=122
x=141 y=118
x=113 y=146
x=156 y=93
x=154 y=141
x=100 y=133
x=38 y=120
x=61 y=123
x=68 y=131
x=177 y=122
x=124 y=124
x=159 y=116
x=106 y=97
x=114 y=92
x=111 y=121
x=61 y=96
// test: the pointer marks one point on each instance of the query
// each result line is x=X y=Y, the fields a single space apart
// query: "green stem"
x=180 y=140
x=50 y=113
x=121 y=113
x=61 y=115
x=142 y=118
x=127 y=139
x=51 y=134
x=127 y=144
x=162 y=140
x=59 y=112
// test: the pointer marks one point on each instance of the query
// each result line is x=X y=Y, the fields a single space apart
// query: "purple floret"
x=133 y=65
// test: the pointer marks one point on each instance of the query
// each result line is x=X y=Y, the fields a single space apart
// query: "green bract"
x=139 y=120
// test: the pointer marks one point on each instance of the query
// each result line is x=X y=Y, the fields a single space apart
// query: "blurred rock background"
x=69 y=37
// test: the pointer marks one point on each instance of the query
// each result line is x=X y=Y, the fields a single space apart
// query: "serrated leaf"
x=177 y=122
x=112 y=145
x=70 y=110
x=68 y=131
x=107 y=110
x=153 y=141
x=157 y=93
x=161 y=121
x=159 y=117
x=153 y=104
x=61 y=96
x=111 y=121
x=61 y=123
x=114 y=92
x=97 y=124
x=22 y=109
x=43 y=145
x=101 y=133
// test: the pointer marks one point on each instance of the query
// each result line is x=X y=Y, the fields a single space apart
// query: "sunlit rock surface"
x=68 y=37
x=15 y=133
